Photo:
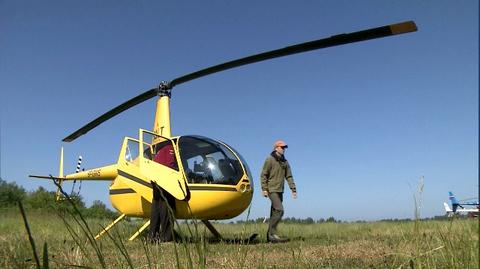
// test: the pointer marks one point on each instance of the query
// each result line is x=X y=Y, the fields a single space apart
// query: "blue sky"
x=364 y=121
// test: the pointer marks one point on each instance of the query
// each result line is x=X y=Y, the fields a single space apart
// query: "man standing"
x=275 y=170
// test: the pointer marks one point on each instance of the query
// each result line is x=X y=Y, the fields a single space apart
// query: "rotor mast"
x=161 y=124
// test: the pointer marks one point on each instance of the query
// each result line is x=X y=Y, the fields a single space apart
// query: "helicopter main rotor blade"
x=383 y=31
x=110 y=114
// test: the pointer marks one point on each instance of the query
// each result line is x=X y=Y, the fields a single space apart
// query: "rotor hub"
x=164 y=89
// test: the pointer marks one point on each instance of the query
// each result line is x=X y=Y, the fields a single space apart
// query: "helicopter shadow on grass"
x=251 y=240
x=183 y=239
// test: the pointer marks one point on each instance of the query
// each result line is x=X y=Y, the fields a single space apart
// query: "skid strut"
x=110 y=226
x=212 y=229
x=139 y=231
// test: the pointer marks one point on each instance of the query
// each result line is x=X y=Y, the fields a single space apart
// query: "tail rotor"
x=79 y=164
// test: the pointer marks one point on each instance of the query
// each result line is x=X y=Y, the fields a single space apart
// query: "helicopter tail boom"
x=106 y=173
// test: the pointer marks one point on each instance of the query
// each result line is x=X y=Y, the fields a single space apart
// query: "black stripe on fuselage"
x=134 y=178
x=122 y=191
x=208 y=188
x=190 y=187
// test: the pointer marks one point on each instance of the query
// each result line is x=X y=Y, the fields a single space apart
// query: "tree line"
x=308 y=220
x=41 y=199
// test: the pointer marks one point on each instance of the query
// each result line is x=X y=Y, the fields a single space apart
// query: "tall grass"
x=30 y=237
x=451 y=243
x=334 y=245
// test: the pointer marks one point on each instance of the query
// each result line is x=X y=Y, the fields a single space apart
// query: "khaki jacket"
x=274 y=174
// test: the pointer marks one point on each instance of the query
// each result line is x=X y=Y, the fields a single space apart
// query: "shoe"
x=273 y=238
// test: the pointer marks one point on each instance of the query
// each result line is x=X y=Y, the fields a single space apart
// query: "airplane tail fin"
x=454 y=201
x=447 y=208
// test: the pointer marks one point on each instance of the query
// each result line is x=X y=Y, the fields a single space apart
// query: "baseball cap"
x=280 y=143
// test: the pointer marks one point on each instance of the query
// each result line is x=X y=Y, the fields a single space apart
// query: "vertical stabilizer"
x=60 y=170
x=454 y=201
x=448 y=211
x=60 y=175
x=447 y=208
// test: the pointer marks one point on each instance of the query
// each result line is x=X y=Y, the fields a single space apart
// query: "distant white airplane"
x=457 y=207
x=450 y=212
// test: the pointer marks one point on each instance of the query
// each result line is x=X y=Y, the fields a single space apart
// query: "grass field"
x=415 y=244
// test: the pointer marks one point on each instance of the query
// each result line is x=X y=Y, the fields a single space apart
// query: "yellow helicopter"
x=207 y=178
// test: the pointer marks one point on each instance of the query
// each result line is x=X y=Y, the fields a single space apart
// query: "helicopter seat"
x=227 y=172
x=200 y=173
x=210 y=167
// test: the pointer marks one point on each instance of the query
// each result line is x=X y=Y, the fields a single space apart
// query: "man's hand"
x=265 y=193
x=294 y=195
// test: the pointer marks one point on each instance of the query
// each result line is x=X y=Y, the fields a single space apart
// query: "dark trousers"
x=161 y=215
x=276 y=211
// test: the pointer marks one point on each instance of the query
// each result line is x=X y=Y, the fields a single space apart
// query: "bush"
x=10 y=194
x=99 y=210
x=42 y=199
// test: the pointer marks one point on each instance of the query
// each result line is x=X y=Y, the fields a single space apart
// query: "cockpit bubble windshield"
x=207 y=161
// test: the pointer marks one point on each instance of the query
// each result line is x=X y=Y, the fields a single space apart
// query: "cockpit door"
x=159 y=163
